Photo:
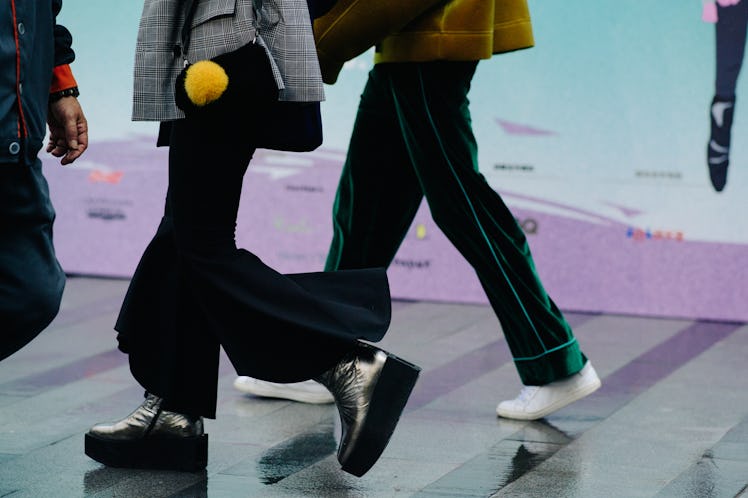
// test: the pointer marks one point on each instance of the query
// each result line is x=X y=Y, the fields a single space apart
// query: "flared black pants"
x=194 y=290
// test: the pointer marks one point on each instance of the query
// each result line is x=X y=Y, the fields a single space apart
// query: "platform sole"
x=182 y=454
x=391 y=393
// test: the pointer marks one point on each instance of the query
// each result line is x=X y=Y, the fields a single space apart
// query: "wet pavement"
x=671 y=419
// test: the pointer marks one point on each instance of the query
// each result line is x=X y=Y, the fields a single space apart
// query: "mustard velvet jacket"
x=420 y=30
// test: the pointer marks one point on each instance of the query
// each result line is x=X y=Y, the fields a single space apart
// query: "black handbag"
x=239 y=86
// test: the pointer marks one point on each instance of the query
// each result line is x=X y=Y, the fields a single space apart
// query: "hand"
x=68 y=130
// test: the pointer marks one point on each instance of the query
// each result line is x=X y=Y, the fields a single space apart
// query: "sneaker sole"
x=288 y=394
x=188 y=454
x=575 y=396
x=388 y=400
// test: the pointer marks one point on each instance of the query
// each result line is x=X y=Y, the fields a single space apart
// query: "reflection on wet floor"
x=671 y=419
x=297 y=454
x=503 y=463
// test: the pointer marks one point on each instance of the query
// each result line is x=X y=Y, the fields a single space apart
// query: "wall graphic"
x=596 y=138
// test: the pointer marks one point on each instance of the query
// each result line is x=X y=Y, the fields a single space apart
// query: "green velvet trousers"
x=413 y=138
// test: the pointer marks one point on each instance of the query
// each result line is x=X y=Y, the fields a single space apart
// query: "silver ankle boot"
x=371 y=388
x=150 y=438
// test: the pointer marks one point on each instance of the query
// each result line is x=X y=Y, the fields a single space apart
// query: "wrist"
x=68 y=92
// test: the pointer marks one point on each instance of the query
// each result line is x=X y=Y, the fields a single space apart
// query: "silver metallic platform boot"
x=371 y=388
x=150 y=438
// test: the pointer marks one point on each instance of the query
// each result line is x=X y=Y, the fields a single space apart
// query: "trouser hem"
x=550 y=367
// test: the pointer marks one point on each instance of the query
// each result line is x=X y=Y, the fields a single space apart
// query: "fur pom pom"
x=205 y=82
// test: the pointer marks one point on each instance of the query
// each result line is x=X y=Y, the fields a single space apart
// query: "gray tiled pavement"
x=670 y=421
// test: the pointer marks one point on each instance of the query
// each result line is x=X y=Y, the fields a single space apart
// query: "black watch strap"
x=68 y=92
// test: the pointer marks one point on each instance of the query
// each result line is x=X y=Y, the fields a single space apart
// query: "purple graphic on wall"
x=511 y=128
x=110 y=202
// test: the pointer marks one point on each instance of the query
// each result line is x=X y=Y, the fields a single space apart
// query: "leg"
x=431 y=101
x=378 y=193
x=377 y=197
x=730 y=49
x=176 y=358
x=194 y=272
x=194 y=290
x=432 y=105
x=31 y=279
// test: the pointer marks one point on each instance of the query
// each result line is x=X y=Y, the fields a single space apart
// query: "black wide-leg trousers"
x=194 y=290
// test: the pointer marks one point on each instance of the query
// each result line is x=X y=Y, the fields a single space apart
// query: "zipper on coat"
x=22 y=130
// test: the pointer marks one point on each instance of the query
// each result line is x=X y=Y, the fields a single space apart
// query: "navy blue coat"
x=31 y=45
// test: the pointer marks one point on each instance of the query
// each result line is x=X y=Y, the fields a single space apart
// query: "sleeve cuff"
x=62 y=79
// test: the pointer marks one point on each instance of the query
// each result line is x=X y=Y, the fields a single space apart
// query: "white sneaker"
x=536 y=402
x=307 y=391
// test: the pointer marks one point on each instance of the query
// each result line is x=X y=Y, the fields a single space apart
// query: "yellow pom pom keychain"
x=205 y=82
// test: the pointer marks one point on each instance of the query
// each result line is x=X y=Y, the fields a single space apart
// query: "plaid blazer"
x=283 y=27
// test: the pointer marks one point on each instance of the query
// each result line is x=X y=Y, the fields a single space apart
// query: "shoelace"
x=527 y=393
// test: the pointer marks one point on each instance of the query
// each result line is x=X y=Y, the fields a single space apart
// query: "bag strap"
x=189 y=14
